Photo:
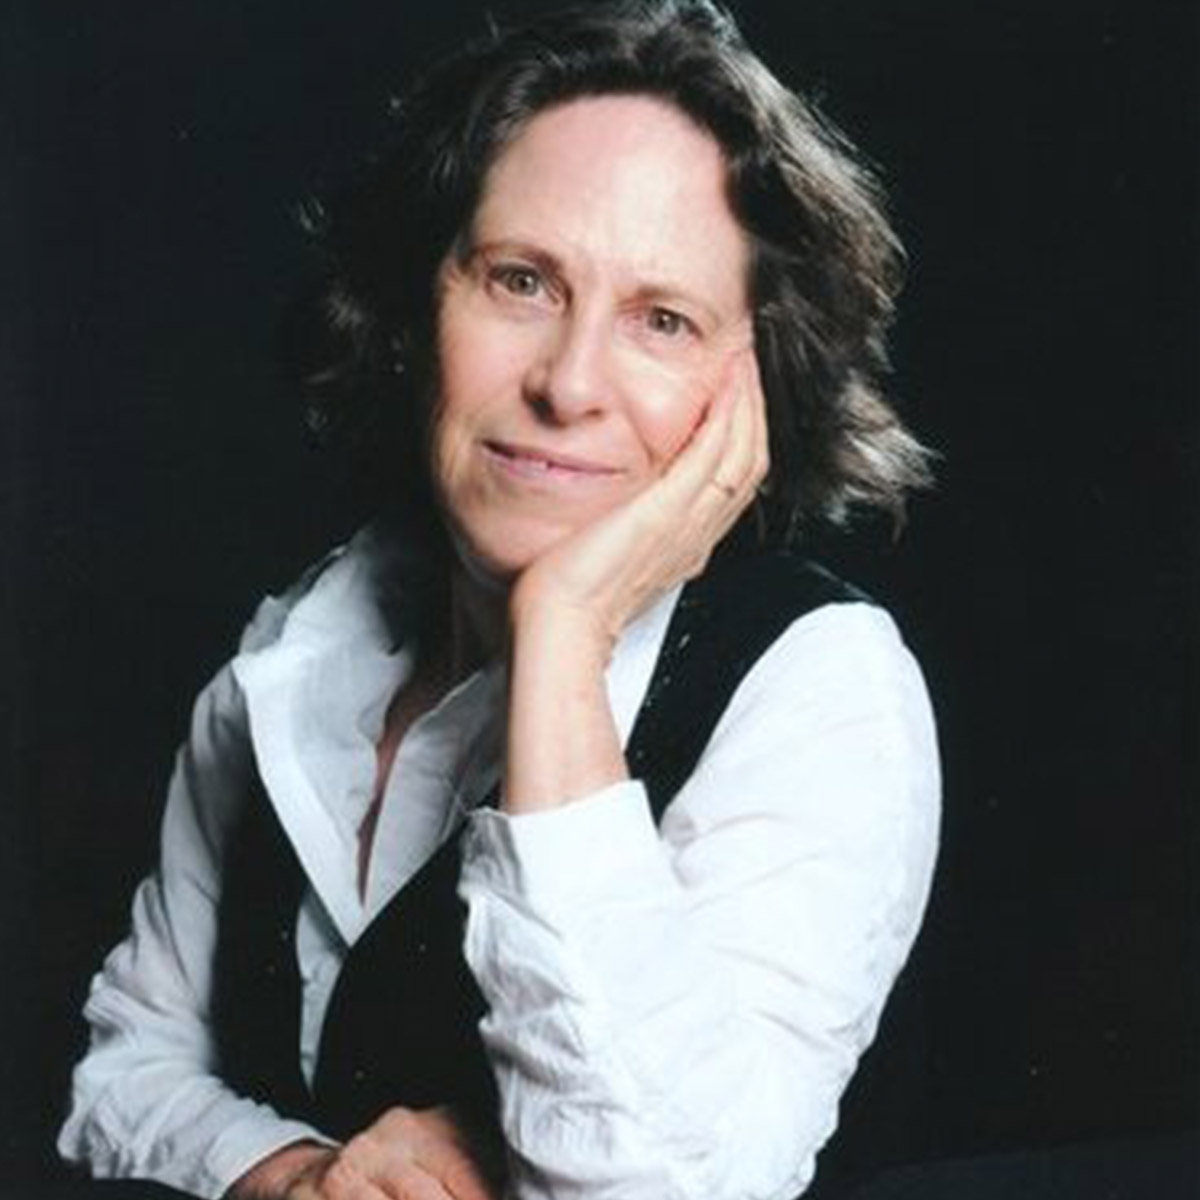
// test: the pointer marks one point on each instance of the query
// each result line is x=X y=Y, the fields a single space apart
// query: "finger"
x=457 y=1173
x=752 y=437
x=749 y=434
x=341 y=1180
x=713 y=487
x=736 y=474
x=762 y=429
x=736 y=461
x=704 y=490
x=440 y=1147
x=695 y=466
x=413 y=1182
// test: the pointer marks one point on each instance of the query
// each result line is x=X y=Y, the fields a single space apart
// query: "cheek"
x=453 y=418
x=480 y=366
x=461 y=391
x=666 y=417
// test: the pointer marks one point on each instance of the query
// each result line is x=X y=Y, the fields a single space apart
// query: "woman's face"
x=583 y=326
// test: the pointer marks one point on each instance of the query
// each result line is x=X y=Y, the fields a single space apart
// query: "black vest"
x=402 y=1024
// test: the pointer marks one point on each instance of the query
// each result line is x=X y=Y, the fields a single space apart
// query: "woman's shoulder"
x=349 y=591
x=749 y=577
x=271 y=614
x=853 y=640
x=838 y=673
x=801 y=638
x=752 y=598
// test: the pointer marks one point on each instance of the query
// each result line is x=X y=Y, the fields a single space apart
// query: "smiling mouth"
x=531 y=462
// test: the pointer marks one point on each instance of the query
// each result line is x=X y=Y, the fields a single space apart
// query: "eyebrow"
x=539 y=257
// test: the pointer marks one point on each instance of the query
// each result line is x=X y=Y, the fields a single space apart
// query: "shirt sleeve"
x=146 y=1102
x=674 y=1012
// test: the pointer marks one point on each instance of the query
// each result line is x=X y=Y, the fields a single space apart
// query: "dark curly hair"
x=826 y=266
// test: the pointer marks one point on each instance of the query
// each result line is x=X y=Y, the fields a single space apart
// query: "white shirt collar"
x=317 y=694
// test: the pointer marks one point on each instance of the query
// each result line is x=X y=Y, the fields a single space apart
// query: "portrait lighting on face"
x=583 y=331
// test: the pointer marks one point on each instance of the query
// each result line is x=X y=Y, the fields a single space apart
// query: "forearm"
x=631 y=1068
x=147 y=1099
x=167 y=1120
x=701 y=997
x=147 y=1102
x=562 y=740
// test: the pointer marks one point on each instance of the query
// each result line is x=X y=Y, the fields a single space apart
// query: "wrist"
x=273 y=1177
x=562 y=743
x=540 y=625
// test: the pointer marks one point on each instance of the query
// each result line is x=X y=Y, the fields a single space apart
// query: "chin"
x=498 y=555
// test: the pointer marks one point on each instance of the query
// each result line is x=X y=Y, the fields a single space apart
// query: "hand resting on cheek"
x=605 y=573
x=570 y=605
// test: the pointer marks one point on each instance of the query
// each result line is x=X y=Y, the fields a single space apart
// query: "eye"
x=668 y=323
x=518 y=280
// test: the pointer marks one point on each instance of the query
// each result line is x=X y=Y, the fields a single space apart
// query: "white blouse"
x=674 y=1011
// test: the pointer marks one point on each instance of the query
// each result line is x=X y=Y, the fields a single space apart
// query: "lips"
x=534 y=462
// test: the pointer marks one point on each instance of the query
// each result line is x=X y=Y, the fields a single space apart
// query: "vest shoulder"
x=779 y=579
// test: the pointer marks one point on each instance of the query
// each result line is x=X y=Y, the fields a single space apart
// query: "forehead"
x=627 y=184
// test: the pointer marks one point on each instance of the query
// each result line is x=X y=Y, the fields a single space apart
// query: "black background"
x=1043 y=161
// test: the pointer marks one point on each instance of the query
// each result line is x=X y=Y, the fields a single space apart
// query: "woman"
x=499 y=861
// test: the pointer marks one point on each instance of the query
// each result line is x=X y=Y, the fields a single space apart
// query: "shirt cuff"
x=245 y=1145
x=571 y=856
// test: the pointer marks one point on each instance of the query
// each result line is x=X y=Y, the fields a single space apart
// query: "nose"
x=571 y=378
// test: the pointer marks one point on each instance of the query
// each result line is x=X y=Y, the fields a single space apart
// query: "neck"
x=478 y=621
